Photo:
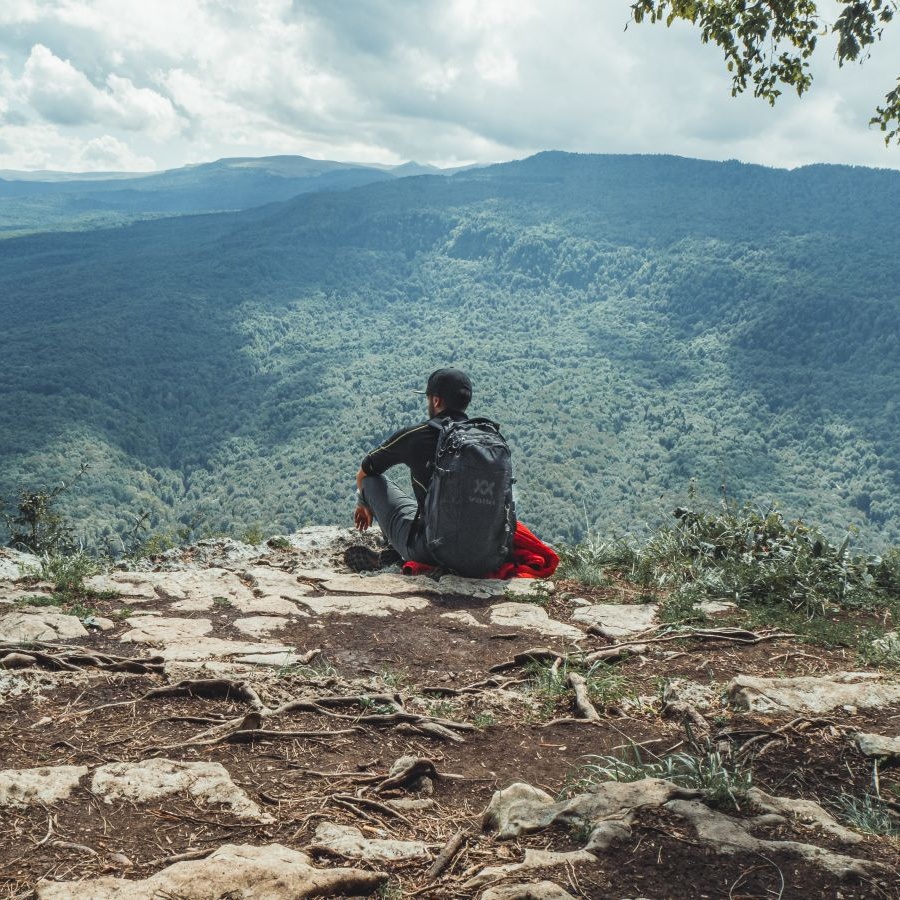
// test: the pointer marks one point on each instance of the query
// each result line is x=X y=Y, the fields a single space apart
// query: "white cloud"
x=65 y=96
x=107 y=153
x=388 y=80
x=45 y=146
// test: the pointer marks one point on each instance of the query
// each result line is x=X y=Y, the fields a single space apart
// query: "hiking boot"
x=360 y=558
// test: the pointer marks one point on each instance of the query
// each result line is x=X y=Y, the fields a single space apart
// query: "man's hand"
x=362 y=517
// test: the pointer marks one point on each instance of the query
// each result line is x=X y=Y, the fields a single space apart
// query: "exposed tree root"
x=536 y=654
x=418 y=768
x=72 y=659
x=445 y=857
x=583 y=705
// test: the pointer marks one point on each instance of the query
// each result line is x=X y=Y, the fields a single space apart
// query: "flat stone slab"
x=162 y=630
x=271 y=872
x=389 y=583
x=258 y=626
x=30 y=787
x=14 y=593
x=860 y=690
x=210 y=648
x=379 y=605
x=711 y=607
x=466 y=618
x=40 y=625
x=202 y=586
x=318 y=574
x=531 y=617
x=153 y=779
x=538 y=890
x=878 y=745
x=278 y=659
x=14 y=564
x=618 y=620
x=347 y=841
x=133 y=585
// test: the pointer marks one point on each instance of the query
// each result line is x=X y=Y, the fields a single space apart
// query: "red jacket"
x=532 y=558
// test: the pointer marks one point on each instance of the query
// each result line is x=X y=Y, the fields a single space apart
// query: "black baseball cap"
x=453 y=386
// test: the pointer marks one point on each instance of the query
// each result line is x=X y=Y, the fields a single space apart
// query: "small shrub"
x=279 y=543
x=67 y=572
x=483 y=720
x=882 y=650
x=605 y=684
x=723 y=786
x=36 y=525
x=867 y=814
x=441 y=709
x=253 y=535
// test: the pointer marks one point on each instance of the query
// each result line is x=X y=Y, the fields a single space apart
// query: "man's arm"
x=393 y=451
x=362 y=517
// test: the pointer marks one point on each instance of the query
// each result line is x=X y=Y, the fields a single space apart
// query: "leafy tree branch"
x=768 y=44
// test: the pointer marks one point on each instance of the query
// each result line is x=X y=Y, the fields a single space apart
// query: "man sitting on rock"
x=401 y=516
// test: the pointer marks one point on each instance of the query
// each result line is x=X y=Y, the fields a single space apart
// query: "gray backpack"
x=470 y=518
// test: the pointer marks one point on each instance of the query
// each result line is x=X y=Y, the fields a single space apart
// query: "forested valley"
x=641 y=326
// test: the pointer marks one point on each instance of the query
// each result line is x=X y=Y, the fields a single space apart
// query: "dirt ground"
x=440 y=669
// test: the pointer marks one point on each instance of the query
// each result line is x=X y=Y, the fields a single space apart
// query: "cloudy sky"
x=154 y=84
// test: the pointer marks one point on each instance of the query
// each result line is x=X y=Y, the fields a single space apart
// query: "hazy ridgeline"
x=633 y=322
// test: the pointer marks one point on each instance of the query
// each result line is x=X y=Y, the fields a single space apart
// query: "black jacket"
x=415 y=447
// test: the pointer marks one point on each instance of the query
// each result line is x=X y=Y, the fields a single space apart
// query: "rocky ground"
x=237 y=722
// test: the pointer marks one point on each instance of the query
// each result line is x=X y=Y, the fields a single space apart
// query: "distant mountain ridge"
x=633 y=322
x=59 y=199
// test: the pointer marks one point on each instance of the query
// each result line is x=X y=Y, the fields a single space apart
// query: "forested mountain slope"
x=632 y=321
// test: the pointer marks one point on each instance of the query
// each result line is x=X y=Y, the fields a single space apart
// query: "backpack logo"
x=484 y=488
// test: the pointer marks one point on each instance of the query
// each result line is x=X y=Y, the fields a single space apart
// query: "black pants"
x=395 y=511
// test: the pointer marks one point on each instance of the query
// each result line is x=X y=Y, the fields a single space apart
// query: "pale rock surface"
x=13 y=594
x=164 y=630
x=727 y=835
x=278 y=659
x=878 y=745
x=132 y=586
x=30 y=787
x=100 y=623
x=711 y=607
x=212 y=647
x=531 y=617
x=153 y=779
x=271 y=872
x=346 y=841
x=258 y=626
x=534 y=859
x=806 y=811
x=39 y=625
x=701 y=696
x=14 y=564
x=466 y=618
x=318 y=542
x=390 y=583
x=521 y=809
x=377 y=583
x=538 y=890
x=808 y=694
x=378 y=605
x=618 y=620
x=36 y=682
x=316 y=575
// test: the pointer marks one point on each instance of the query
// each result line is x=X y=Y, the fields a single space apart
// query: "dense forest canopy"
x=634 y=322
